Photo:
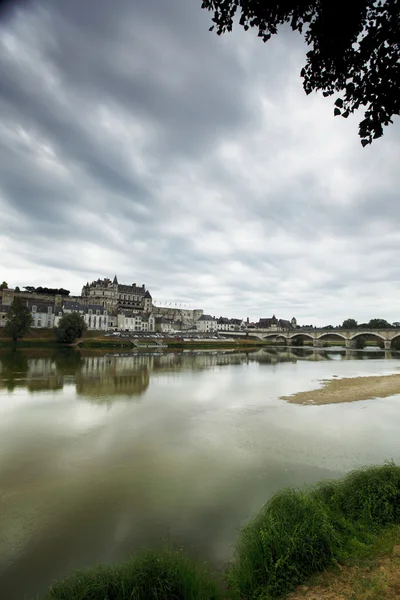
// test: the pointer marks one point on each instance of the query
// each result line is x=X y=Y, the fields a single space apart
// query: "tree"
x=354 y=49
x=70 y=328
x=4 y=285
x=19 y=319
x=379 y=324
x=360 y=342
x=52 y=291
x=17 y=289
x=29 y=288
x=349 y=324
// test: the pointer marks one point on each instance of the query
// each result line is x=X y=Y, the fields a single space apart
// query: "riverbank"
x=344 y=523
x=348 y=389
x=375 y=576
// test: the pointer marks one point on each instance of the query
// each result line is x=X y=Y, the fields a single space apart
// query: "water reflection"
x=80 y=483
x=128 y=374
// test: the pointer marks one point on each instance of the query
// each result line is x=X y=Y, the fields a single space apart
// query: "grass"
x=297 y=535
x=150 y=575
x=300 y=533
x=374 y=575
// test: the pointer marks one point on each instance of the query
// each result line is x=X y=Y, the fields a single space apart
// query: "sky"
x=135 y=142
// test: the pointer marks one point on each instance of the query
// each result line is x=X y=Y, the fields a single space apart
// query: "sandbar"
x=348 y=389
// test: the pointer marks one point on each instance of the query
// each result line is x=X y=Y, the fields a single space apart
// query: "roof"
x=147 y=294
x=131 y=289
x=41 y=306
x=115 y=280
x=236 y=321
x=206 y=318
x=285 y=324
x=223 y=320
x=73 y=306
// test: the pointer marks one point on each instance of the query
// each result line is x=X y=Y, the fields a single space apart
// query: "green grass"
x=296 y=535
x=149 y=575
x=300 y=533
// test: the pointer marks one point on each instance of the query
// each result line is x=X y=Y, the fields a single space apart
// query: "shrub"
x=70 y=328
x=299 y=533
x=291 y=538
x=149 y=575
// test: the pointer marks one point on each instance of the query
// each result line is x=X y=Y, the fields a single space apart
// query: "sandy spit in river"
x=349 y=389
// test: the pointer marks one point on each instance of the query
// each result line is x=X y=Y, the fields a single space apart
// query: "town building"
x=225 y=324
x=275 y=324
x=164 y=325
x=3 y=314
x=94 y=315
x=206 y=323
x=133 y=321
x=42 y=314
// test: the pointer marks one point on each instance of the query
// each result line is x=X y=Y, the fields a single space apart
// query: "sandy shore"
x=350 y=389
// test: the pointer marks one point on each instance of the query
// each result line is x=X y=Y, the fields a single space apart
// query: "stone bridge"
x=319 y=336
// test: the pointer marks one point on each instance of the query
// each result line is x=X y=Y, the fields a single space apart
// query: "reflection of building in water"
x=36 y=374
x=110 y=376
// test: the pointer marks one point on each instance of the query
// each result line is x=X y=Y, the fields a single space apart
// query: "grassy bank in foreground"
x=296 y=535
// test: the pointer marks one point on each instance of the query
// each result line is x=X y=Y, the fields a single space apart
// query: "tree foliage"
x=379 y=323
x=349 y=324
x=70 y=328
x=46 y=290
x=19 y=319
x=354 y=49
x=4 y=285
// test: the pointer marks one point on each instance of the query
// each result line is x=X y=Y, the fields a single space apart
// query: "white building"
x=3 y=314
x=136 y=322
x=164 y=325
x=42 y=314
x=206 y=323
x=225 y=324
x=94 y=315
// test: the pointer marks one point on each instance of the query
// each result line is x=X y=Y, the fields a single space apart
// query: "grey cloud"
x=187 y=161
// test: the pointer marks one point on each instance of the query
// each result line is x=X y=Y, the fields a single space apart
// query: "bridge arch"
x=332 y=334
x=369 y=333
x=396 y=338
x=301 y=334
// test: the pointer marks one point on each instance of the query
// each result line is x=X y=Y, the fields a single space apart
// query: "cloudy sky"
x=134 y=141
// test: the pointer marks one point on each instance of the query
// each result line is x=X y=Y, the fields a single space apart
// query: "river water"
x=101 y=455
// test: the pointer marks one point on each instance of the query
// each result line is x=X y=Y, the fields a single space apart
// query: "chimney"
x=143 y=286
x=133 y=284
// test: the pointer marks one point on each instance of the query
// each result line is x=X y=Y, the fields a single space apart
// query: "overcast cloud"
x=134 y=141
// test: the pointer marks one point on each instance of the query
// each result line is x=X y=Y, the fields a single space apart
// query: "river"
x=102 y=454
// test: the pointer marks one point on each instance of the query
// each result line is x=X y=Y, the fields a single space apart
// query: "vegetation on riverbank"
x=168 y=574
x=296 y=534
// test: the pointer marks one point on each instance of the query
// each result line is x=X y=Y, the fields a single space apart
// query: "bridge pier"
x=316 y=343
x=388 y=344
x=349 y=344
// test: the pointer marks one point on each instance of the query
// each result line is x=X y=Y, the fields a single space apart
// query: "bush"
x=149 y=575
x=291 y=538
x=70 y=328
x=299 y=533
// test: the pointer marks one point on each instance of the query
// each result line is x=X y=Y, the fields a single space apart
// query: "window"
x=49 y=310
x=97 y=312
x=34 y=308
x=90 y=311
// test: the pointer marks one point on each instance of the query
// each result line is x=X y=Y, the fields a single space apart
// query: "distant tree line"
x=372 y=324
x=46 y=290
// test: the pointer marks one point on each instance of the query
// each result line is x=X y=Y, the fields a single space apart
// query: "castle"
x=117 y=297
